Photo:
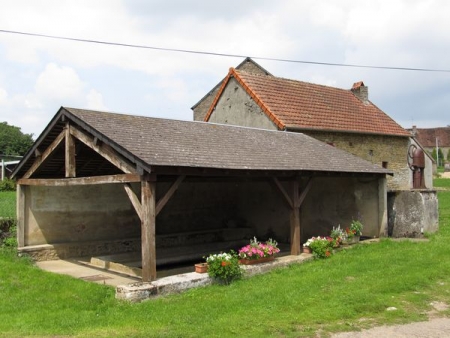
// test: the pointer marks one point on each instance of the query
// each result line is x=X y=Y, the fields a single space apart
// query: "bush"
x=8 y=232
x=224 y=267
x=7 y=185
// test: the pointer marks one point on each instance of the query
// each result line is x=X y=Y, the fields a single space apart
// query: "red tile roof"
x=300 y=105
x=427 y=137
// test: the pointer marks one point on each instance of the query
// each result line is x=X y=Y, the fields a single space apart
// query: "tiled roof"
x=427 y=136
x=302 y=105
x=162 y=142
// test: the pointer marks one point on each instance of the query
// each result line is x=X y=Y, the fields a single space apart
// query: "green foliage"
x=448 y=156
x=7 y=204
x=13 y=141
x=356 y=228
x=321 y=247
x=7 y=185
x=224 y=268
x=441 y=156
x=8 y=232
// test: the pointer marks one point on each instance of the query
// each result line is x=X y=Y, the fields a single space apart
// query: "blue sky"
x=38 y=75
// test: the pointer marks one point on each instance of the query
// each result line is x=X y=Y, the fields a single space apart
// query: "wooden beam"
x=295 y=219
x=104 y=150
x=21 y=207
x=38 y=161
x=70 y=153
x=134 y=200
x=148 y=243
x=163 y=201
x=58 y=182
x=304 y=192
x=283 y=192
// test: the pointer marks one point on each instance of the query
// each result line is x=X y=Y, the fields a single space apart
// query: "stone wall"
x=388 y=151
x=236 y=107
x=203 y=105
x=64 y=222
x=405 y=221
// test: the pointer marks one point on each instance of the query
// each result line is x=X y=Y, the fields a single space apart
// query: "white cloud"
x=3 y=96
x=58 y=83
x=95 y=101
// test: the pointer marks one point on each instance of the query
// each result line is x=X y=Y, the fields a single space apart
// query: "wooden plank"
x=69 y=153
x=148 y=242
x=283 y=192
x=63 y=182
x=134 y=200
x=104 y=150
x=163 y=200
x=38 y=161
x=295 y=220
x=20 y=207
x=304 y=192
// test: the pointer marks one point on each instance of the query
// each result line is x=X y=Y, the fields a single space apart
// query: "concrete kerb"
x=140 y=291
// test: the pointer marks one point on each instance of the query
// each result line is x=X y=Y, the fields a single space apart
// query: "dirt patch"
x=436 y=327
x=445 y=175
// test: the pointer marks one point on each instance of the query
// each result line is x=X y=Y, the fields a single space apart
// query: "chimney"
x=361 y=91
x=414 y=131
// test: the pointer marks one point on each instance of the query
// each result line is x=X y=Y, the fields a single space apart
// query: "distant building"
x=429 y=138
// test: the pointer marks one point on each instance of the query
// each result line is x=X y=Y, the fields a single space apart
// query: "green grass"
x=441 y=183
x=349 y=291
x=8 y=204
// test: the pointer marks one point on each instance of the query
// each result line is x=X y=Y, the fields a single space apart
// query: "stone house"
x=145 y=192
x=346 y=119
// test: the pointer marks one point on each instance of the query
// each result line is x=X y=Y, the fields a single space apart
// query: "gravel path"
x=435 y=328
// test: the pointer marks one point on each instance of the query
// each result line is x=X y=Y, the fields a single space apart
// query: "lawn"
x=8 y=204
x=349 y=291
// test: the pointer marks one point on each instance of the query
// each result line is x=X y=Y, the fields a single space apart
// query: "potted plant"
x=321 y=247
x=354 y=232
x=224 y=268
x=201 y=267
x=257 y=252
x=338 y=235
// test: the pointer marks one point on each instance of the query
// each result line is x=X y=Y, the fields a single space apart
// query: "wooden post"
x=70 y=154
x=295 y=219
x=20 y=212
x=148 y=242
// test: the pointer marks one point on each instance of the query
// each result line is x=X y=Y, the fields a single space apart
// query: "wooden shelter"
x=82 y=148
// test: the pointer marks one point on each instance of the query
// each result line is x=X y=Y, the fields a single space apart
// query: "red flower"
x=225 y=263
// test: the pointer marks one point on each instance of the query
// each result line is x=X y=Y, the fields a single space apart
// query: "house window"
x=384 y=164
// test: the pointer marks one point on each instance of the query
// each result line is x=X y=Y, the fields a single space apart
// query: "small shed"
x=101 y=183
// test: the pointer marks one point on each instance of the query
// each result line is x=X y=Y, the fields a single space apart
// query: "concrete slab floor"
x=87 y=273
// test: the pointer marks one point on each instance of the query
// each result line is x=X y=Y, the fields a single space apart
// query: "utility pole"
x=437 y=153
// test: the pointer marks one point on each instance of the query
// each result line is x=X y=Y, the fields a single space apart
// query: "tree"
x=441 y=157
x=13 y=141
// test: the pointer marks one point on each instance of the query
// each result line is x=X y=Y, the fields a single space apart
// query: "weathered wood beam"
x=148 y=242
x=283 y=192
x=304 y=192
x=104 y=150
x=69 y=153
x=38 y=161
x=134 y=200
x=163 y=200
x=295 y=219
x=56 y=182
x=21 y=207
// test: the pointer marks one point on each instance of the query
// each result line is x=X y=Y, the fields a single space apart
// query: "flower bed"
x=257 y=251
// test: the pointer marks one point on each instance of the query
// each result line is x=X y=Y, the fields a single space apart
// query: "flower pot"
x=201 y=267
x=353 y=240
x=256 y=261
x=307 y=250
